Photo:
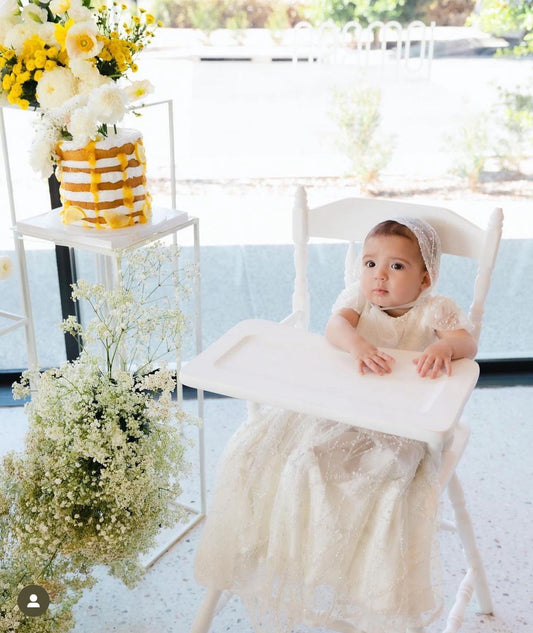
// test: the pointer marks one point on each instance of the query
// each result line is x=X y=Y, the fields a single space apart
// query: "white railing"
x=408 y=48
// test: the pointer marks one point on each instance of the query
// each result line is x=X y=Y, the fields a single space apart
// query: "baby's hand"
x=435 y=358
x=370 y=358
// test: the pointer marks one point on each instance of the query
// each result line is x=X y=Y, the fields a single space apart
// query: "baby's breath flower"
x=76 y=501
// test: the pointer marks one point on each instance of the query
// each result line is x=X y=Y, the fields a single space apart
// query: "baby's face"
x=393 y=271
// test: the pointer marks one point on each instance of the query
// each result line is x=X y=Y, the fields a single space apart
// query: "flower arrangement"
x=104 y=452
x=72 y=61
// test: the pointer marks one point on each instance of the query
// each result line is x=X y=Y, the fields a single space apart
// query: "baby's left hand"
x=435 y=358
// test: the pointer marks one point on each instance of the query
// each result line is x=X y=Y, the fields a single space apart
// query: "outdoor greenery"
x=509 y=17
x=513 y=114
x=357 y=113
x=365 y=11
x=208 y=15
x=502 y=135
x=470 y=147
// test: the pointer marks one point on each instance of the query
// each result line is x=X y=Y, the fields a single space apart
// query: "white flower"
x=138 y=89
x=19 y=33
x=9 y=10
x=55 y=87
x=82 y=41
x=42 y=152
x=83 y=125
x=46 y=32
x=108 y=103
x=32 y=12
x=59 y=7
x=6 y=267
x=88 y=74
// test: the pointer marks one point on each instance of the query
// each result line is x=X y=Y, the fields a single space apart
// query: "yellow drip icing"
x=96 y=179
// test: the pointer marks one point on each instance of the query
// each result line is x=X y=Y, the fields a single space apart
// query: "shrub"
x=514 y=116
x=470 y=146
x=357 y=114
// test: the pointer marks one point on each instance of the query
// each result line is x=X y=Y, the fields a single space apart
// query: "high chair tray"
x=276 y=364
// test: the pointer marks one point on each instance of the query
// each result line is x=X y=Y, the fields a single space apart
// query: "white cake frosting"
x=103 y=183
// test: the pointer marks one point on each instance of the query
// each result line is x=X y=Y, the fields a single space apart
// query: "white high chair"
x=224 y=367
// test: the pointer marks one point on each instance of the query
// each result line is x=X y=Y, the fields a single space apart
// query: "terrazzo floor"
x=496 y=474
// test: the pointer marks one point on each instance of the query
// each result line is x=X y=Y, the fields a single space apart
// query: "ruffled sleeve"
x=444 y=314
x=350 y=297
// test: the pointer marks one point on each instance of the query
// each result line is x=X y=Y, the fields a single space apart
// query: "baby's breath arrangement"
x=104 y=453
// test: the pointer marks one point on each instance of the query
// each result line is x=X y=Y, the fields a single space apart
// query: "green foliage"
x=357 y=115
x=470 y=146
x=514 y=129
x=509 y=16
x=238 y=23
x=365 y=11
x=277 y=21
x=208 y=15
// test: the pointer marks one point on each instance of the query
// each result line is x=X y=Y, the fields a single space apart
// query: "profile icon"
x=33 y=604
x=33 y=600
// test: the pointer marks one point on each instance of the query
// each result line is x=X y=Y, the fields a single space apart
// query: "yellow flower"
x=150 y=19
x=60 y=32
x=16 y=91
x=40 y=61
x=49 y=64
x=7 y=82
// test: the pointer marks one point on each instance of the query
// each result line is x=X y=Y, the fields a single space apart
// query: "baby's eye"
x=397 y=266
x=369 y=264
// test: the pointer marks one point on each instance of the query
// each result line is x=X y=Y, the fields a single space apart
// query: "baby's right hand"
x=370 y=358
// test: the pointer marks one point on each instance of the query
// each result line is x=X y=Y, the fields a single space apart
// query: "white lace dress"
x=314 y=521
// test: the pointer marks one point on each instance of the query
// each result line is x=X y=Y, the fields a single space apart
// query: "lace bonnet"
x=428 y=242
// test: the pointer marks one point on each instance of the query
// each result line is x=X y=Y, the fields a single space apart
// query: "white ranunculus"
x=55 y=87
x=83 y=126
x=6 y=267
x=108 y=103
x=82 y=41
x=138 y=89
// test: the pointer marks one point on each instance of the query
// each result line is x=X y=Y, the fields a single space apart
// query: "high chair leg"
x=205 y=614
x=466 y=534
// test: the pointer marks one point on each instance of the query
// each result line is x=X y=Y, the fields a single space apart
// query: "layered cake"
x=103 y=184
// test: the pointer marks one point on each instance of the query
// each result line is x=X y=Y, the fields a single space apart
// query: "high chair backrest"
x=350 y=219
